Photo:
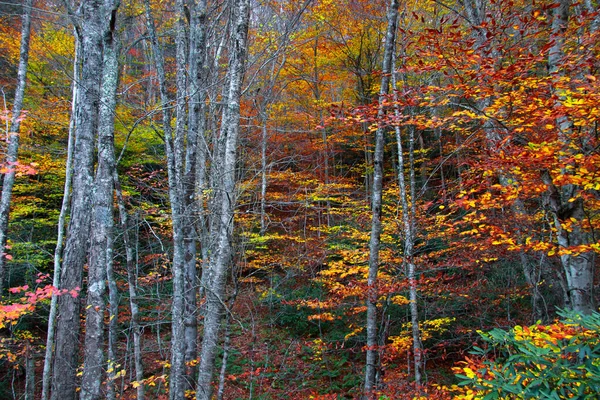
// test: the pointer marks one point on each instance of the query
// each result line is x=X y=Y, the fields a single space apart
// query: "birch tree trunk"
x=409 y=230
x=102 y=215
x=578 y=268
x=64 y=209
x=219 y=264
x=10 y=161
x=64 y=383
x=372 y=361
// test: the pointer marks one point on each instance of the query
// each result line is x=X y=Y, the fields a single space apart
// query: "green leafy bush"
x=556 y=361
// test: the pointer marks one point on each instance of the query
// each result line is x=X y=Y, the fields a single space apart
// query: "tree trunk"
x=113 y=320
x=195 y=135
x=222 y=372
x=407 y=199
x=29 y=373
x=175 y=158
x=578 y=268
x=224 y=251
x=372 y=361
x=64 y=210
x=132 y=286
x=263 y=174
x=10 y=161
x=174 y=148
x=64 y=383
x=102 y=217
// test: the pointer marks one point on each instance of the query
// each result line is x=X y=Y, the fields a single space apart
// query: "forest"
x=299 y=199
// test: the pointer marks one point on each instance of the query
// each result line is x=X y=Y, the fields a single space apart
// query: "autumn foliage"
x=497 y=107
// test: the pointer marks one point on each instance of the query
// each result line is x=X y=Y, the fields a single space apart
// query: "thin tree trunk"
x=178 y=382
x=223 y=371
x=10 y=161
x=113 y=321
x=64 y=383
x=102 y=217
x=196 y=123
x=64 y=210
x=409 y=230
x=372 y=360
x=174 y=150
x=132 y=286
x=409 y=253
x=112 y=50
x=263 y=175
x=224 y=252
x=29 y=373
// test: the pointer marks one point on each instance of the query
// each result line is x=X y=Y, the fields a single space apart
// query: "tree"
x=100 y=259
x=10 y=163
x=563 y=200
x=95 y=18
x=376 y=205
x=64 y=209
x=245 y=145
x=215 y=290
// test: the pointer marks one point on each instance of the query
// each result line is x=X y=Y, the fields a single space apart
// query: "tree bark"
x=372 y=361
x=175 y=158
x=224 y=251
x=64 y=210
x=102 y=216
x=29 y=373
x=10 y=161
x=183 y=339
x=578 y=268
x=64 y=384
x=407 y=199
x=195 y=137
x=132 y=287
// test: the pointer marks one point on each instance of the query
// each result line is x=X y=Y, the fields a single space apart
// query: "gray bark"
x=591 y=8
x=409 y=230
x=195 y=135
x=132 y=287
x=560 y=19
x=100 y=259
x=222 y=372
x=113 y=318
x=263 y=175
x=578 y=268
x=29 y=373
x=64 y=210
x=64 y=384
x=183 y=340
x=12 y=151
x=224 y=251
x=372 y=361
x=178 y=383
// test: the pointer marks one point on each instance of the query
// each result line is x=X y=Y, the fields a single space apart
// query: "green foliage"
x=557 y=361
x=295 y=318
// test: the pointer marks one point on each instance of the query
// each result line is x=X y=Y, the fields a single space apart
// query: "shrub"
x=556 y=361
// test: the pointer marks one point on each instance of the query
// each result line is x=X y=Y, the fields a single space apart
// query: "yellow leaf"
x=469 y=372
